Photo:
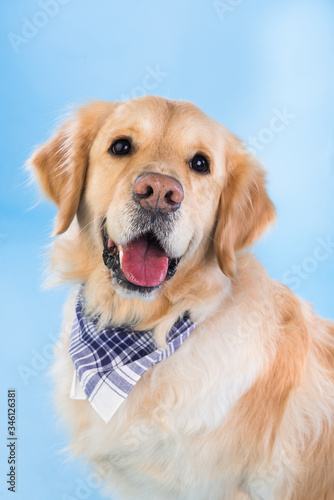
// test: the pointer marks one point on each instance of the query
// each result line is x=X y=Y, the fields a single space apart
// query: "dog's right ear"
x=62 y=161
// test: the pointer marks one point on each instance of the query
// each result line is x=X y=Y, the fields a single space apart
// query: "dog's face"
x=154 y=183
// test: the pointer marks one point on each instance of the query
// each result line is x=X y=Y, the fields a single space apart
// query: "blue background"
x=241 y=62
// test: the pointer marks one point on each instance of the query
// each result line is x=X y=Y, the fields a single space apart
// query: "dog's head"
x=156 y=186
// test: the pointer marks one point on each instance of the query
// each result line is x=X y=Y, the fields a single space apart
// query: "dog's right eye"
x=120 y=147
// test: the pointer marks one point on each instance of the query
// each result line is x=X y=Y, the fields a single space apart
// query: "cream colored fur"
x=244 y=409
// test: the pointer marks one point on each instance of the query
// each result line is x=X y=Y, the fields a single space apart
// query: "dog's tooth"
x=120 y=251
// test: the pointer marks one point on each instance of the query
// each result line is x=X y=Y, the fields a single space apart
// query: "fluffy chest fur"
x=218 y=419
x=158 y=202
x=167 y=423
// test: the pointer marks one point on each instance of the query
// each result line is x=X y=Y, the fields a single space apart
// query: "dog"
x=157 y=203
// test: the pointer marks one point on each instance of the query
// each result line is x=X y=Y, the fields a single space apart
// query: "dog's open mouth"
x=140 y=265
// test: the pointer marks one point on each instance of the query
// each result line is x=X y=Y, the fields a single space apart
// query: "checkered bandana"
x=110 y=361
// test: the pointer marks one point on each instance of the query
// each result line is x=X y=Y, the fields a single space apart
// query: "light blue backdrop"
x=265 y=69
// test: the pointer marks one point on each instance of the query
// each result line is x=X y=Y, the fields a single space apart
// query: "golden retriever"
x=244 y=408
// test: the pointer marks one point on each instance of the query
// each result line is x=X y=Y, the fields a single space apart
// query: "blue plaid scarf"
x=110 y=361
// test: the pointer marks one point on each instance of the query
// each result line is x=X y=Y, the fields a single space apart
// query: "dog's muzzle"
x=144 y=262
x=140 y=265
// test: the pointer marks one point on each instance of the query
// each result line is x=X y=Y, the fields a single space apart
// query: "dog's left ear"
x=245 y=209
x=61 y=162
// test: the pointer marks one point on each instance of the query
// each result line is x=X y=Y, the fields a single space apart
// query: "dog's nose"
x=158 y=192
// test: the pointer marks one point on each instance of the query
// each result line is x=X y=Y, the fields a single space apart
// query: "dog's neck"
x=197 y=289
x=196 y=292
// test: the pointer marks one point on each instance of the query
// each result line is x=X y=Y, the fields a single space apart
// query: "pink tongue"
x=144 y=263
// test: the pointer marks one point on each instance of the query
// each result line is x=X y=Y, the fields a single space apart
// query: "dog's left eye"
x=120 y=147
x=200 y=164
